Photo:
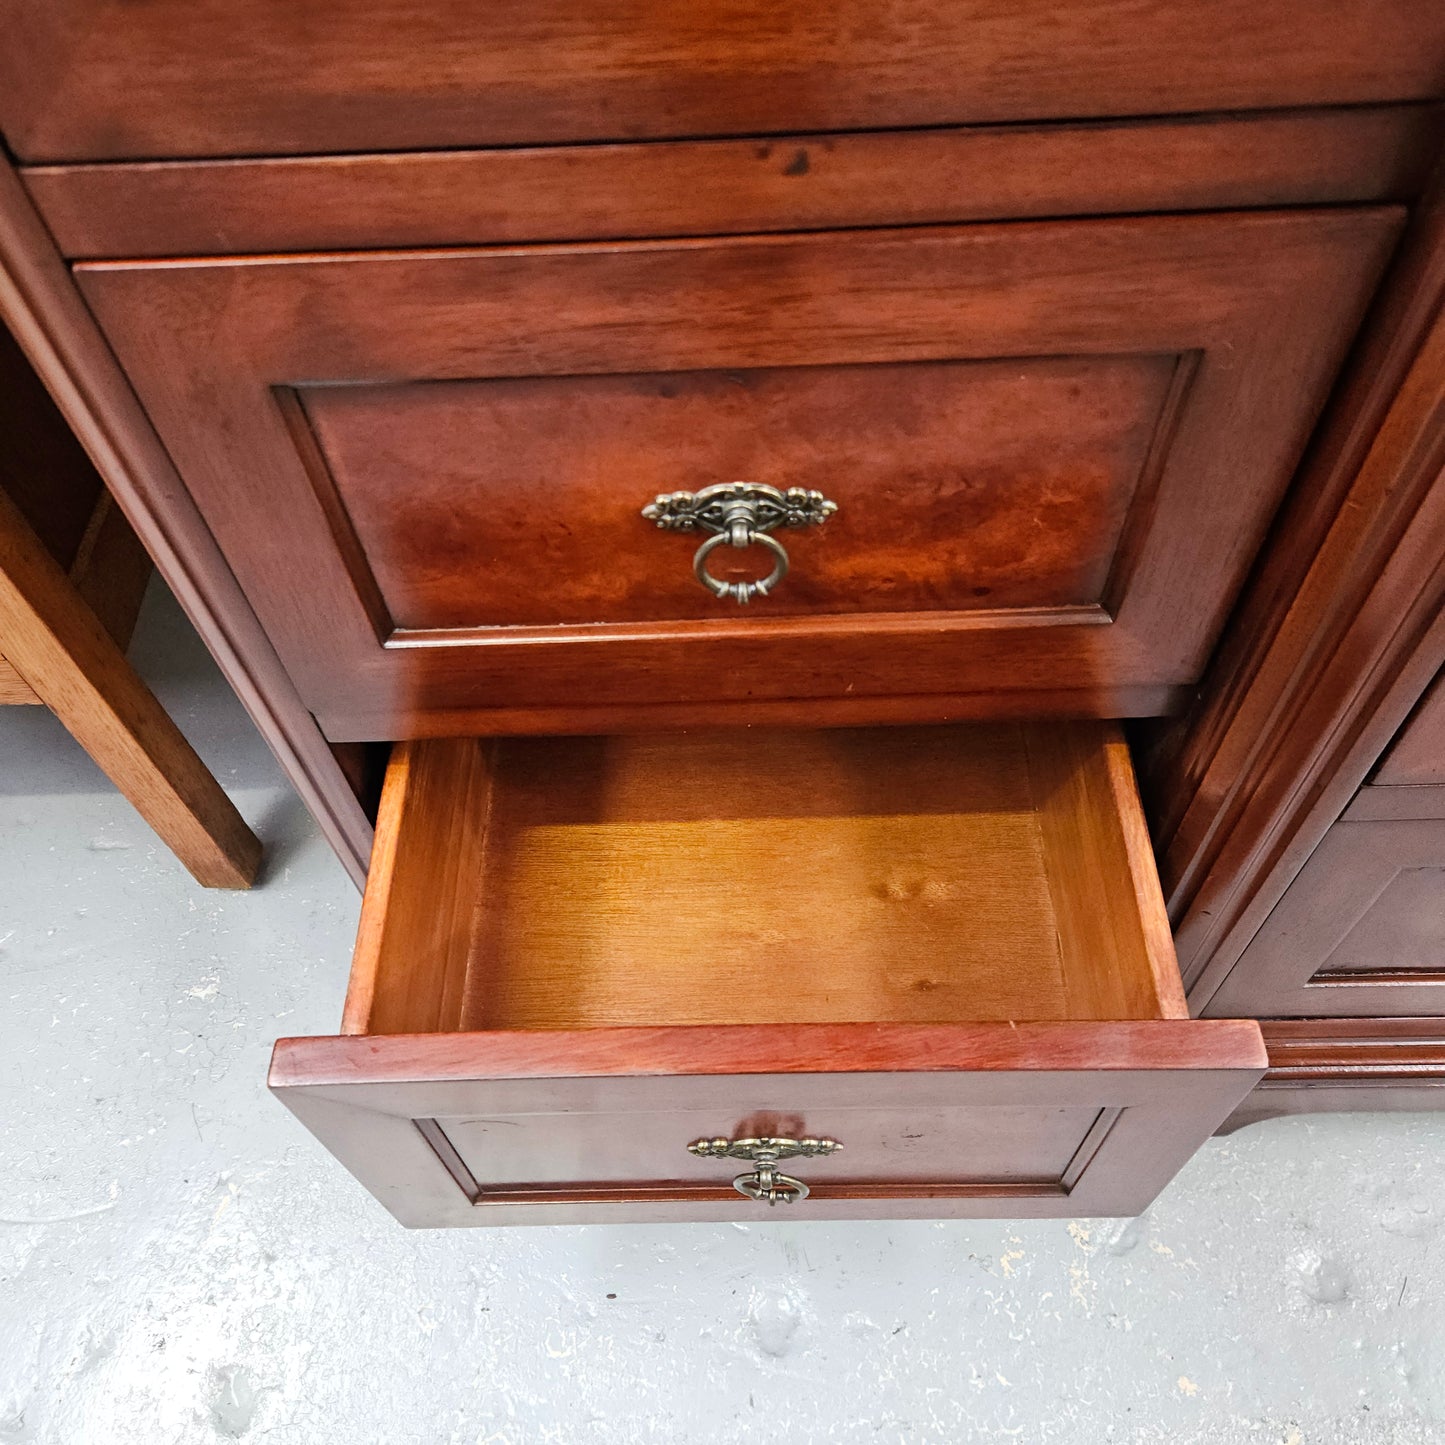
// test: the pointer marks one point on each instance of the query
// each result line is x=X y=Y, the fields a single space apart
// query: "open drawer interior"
x=583 y=959
x=929 y=874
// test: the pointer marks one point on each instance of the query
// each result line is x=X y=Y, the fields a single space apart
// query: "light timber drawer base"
x=942 y=948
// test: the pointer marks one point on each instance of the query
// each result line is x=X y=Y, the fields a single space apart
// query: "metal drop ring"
x=767 y=1183
x=742 y=592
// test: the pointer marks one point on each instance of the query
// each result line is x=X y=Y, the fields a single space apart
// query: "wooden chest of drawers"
x=398 y=330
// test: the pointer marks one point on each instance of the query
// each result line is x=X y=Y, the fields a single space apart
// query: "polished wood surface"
x=58 y=647
x=576 y=956
x=1417 y=756
x=46 y=315
x=940 y=873
x=777 y=183
x=961 y=486
x=1141 y=1096
x=1319 y=1066
x=1338 y=638
x=415 y=941
x=1360 y=931
x=1258 y=308
x=97 y=79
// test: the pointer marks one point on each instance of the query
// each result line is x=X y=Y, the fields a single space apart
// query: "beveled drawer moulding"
x=1054 y=447
x=733 y=187
x=942 y=948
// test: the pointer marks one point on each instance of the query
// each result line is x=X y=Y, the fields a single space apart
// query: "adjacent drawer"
x=97 y=80
x=1416 y=759
x=1360 y=932
x=942 y=948
x=1053 y=449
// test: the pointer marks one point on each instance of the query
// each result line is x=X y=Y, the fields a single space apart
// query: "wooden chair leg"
x=54 y=641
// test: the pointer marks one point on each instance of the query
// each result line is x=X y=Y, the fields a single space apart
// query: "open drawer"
x=942 y=948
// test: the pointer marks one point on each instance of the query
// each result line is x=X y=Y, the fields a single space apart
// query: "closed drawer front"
x=1053 y=448
x=1416 y=759
x=942 y=949
x=1361 y=931
x=92 y=80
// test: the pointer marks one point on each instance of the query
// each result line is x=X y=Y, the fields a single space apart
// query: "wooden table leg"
x=56 y=644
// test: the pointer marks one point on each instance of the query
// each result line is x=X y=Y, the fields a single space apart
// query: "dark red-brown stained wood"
x=1324 y=1066
x=719 y=187
x=1054 y=448
x=99 y=79
x=945 y=947
x=1341 y=633
x=935 y=1120
x=1417 y=757
x=1361 y=930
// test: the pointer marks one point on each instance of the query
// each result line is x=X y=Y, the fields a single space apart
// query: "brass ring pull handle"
x=740 y=514
x=740 y=592
x=766 y=1181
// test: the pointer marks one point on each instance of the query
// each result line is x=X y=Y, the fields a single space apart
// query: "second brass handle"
x=770 y=1184
x=765 y=1182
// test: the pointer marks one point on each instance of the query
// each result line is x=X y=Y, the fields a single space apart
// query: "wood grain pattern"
x=40 y=305
x=961 y=486
x=415 y=942
x=1339 y=637
x=1360 y=931
x=697 y=188
x=1264 y=304
x=1417 y=756
x=1161 y=1086
x=903 y=874
x=14 y=690
x=56 y=644
x=96 y=79
x=110 y=571
x=672 y=937
x=1340 y=1065
x=1104 y=886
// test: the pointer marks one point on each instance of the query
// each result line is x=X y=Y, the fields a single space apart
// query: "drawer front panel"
x=961 y=486
x=1360 y=932
x=935 y=1120
x=1416 y=758
x=93 y=79
x=1053 y=449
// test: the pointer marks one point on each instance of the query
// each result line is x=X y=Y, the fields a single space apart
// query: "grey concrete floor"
x=179 y=1262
